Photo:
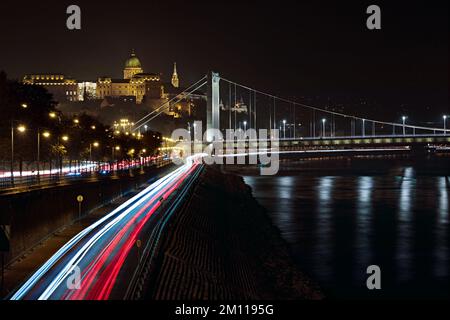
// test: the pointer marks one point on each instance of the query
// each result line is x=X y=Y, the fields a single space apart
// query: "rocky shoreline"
x=223 y=245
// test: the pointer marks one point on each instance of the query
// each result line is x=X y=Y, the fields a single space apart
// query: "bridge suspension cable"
x=334 y=113
x=187 y=92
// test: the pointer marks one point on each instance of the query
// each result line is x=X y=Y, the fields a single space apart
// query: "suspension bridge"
x=235 y=106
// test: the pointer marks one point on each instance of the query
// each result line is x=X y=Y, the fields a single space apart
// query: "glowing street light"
x=323 y=127
x=95 y=144
x=52 y=115
x=21 y=128
x=116 y=148
x=363 y=127
x=245 y=125
x=404 y=129
x=93 y=127
x=65 y=138
x=24 y=105
x=284 y=128
x=45 y=134
x=445 y=124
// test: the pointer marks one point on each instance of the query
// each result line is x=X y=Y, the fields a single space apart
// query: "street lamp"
x=445 y=124
x=21 y=128
x=323 y=127
x=65 y=138
x=284 y=129
x=95 y=144
x=194 y=126
x=363 y=127
x=116 y=148
x=45 y=134
x=24 y=105
x=404 y=129
x=245 y=125
x=52 y=115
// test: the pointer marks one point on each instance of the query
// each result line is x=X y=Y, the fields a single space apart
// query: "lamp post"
x=194 y=126
x=20 y=128
x=245 y=125
x=95 y=144
x=404 y=129
x=363 y=127
x=323 y=127
x=46 y=134
x=284 y=128
x=445 y=124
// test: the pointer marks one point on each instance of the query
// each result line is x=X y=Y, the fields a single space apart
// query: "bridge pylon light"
x=213 y=104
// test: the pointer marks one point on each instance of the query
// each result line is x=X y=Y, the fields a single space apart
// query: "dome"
x=132 y=61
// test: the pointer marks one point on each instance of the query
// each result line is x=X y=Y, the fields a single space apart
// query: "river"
x=342 y=215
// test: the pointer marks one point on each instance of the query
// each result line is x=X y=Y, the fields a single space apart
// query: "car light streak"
x=93 y=246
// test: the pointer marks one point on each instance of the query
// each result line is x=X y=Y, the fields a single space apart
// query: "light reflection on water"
x=338 y=223
x=406 y=199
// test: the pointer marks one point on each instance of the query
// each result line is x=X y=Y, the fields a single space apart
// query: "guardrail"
x=83 y=171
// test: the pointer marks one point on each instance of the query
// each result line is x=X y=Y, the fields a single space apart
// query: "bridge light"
x=445 y=124
x=404 y=129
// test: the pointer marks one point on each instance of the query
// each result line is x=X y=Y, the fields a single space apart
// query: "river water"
x=340 y=216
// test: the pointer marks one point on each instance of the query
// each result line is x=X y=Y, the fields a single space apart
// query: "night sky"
x=316 y=49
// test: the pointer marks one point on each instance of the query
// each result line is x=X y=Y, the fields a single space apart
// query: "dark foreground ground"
x=222 y=245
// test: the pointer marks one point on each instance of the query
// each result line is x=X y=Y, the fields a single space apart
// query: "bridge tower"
x=213 y=102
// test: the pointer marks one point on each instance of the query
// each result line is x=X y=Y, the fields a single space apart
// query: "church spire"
x=175 y=81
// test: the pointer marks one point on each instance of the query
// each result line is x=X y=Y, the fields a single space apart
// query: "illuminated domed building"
x=135 y=83
x=132 y=66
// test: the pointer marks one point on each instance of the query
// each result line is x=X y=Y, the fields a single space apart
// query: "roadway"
x=105 y=254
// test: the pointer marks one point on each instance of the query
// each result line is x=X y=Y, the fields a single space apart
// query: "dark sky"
x=293 y=49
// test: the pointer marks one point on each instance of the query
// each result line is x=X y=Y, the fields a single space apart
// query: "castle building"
x=135 y=83
x=62 y=87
